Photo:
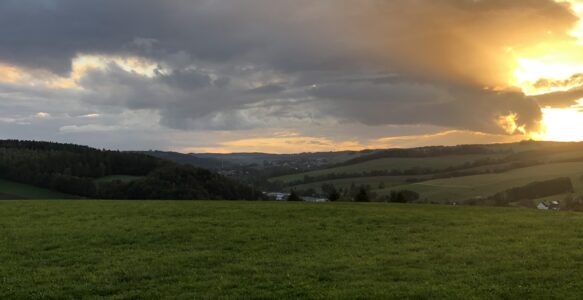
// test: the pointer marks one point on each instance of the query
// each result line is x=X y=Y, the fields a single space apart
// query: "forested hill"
x=91 y=173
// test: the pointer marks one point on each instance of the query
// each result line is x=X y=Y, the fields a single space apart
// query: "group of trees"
x=74 y=170
x=428 y=152
x=362 y=193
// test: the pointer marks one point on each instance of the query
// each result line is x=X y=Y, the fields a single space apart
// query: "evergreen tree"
x=362 y=195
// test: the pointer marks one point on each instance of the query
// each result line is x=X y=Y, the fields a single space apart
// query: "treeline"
x=362 y=193
x=74 y=170
x=427 y=152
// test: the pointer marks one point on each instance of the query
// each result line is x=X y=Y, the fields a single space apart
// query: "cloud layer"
x=246 y=66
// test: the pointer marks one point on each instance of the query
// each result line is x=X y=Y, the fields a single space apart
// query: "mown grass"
x=12 y=190
x=194 y=250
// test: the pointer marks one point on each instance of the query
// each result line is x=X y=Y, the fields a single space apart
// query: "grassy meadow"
x=188 y=250
x=466 y=187
x=13 y=190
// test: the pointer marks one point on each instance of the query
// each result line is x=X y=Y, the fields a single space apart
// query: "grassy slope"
x=13 y=190
x=462 y=188
x=375 y=181
x=438 y=162
x=193 y=250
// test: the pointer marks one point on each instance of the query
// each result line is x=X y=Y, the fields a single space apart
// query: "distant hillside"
x=190 y=159
x=445 y=174
x=300 y=160
x=79 y=170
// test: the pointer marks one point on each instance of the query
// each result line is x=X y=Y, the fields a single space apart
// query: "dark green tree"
x=362 y=195
x=333 y=195
x=293 y=196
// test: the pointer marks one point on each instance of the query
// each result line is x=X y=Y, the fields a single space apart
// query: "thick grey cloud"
x=292 y=35
x=406 y=103
x=234 y=65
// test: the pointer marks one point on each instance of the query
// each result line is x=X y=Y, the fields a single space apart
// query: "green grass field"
x=11 y=191
x=463 y=188
x=268 y=250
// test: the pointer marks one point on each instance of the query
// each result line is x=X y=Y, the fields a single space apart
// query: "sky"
x=290 y=76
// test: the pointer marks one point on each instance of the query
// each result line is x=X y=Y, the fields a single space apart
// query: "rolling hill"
x=90 y=173
x=467 y=187
x=15 y=191
x=446 y=174
x=190 y=159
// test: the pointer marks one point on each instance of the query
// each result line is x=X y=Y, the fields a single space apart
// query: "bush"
x=403 y=196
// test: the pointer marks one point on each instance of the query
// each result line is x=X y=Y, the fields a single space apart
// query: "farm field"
x=374 y=181
x=463 y=188
x=12 y=190
x=389 y=164
x=198 y=249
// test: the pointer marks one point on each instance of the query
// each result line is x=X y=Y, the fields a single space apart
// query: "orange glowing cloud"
x=10 y=74
x=282 y=144
x=294 y=143
x=81 y=65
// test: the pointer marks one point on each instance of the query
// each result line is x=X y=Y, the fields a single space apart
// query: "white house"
x=278 y=196
x=546 y=205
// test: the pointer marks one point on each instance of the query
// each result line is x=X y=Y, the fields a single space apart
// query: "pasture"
x=12 y=190
x=186 y=250
x=463 y=188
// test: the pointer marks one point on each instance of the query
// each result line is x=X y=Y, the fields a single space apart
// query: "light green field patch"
x=13 y=190
x=463 y=188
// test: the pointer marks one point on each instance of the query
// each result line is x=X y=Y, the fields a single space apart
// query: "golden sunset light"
x=562 y=124
x=291 y=149
x=548 y=68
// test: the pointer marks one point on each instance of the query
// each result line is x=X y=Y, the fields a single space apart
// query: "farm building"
x=278 y=196
x=549 y=205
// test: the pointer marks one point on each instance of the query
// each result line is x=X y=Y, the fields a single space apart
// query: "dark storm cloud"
x=239 y=64
x=293 y=35
x=405 y=103
x=187 y=79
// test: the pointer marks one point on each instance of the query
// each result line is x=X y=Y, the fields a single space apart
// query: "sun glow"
x=562 y=124
x=549 y=68
x=537 y=77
